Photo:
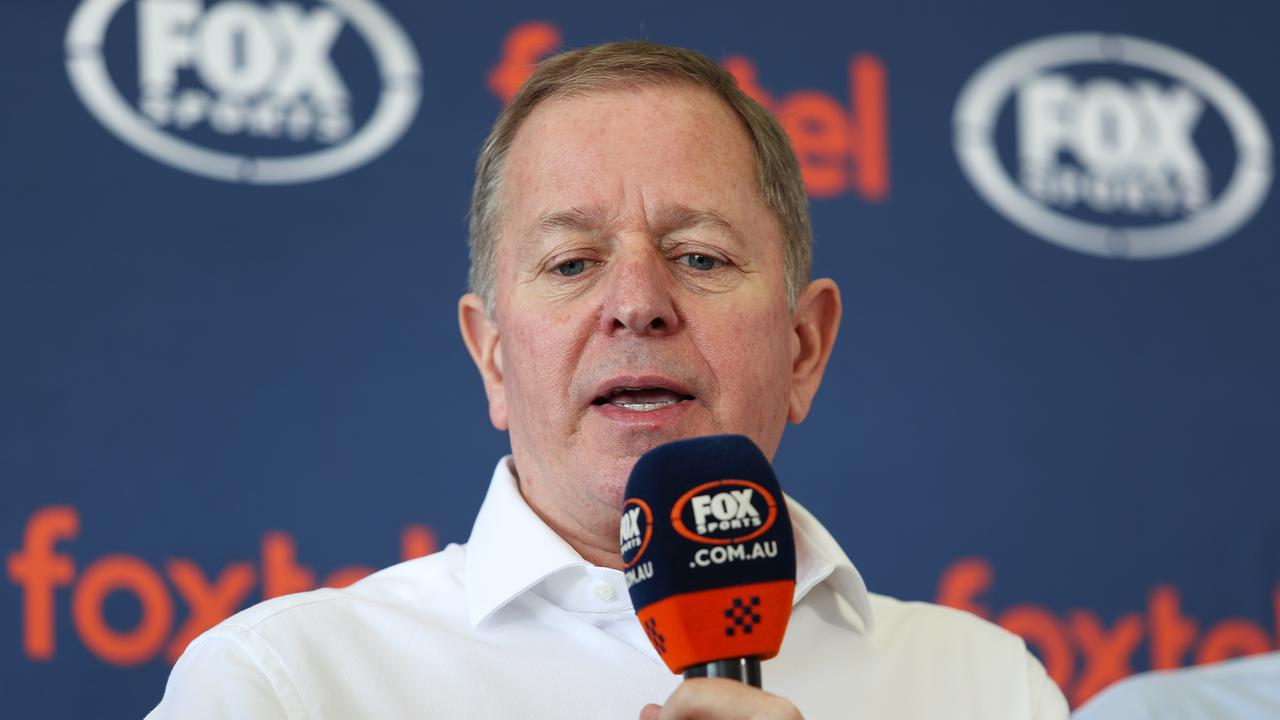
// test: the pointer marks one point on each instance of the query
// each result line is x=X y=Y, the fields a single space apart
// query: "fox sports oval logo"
x=1112 y=145
x=722 y=512
x=246 y=91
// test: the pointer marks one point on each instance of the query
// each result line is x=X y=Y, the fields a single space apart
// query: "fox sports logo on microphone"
x=724 y=511
x=257 y=92
x=1113 y=146
x=635 y=531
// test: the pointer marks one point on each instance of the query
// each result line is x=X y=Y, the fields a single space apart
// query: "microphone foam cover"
x=708 y=551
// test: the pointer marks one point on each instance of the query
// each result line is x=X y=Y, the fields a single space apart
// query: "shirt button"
x=604 y=591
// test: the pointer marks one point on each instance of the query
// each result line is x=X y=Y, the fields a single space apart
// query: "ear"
x=480 y=333
x=816 y=321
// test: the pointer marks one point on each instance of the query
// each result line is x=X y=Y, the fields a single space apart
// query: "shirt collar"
x=511 y=551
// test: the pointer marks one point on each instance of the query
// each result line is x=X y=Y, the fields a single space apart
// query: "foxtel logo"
x=40 y=570
x=1084 y=653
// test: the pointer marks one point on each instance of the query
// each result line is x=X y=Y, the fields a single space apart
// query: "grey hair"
x=626 y=66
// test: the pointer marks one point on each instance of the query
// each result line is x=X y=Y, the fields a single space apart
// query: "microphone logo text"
x=639 y=573
x=722 y=512
x=634 y=532
x=730 y=509
x=721 y=554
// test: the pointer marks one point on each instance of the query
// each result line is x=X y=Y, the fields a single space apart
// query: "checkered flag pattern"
x=742 y=616
x=658 y=639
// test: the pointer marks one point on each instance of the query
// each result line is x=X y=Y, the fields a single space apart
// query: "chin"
x=624 y=449
x=612 y=481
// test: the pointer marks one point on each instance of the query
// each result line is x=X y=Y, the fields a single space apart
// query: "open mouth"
x=641 y=399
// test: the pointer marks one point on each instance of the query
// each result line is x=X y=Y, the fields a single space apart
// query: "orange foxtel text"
x=39 y=569
x=1084 y=654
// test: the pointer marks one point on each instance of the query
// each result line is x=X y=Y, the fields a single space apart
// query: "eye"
x=572 y=267
x=698 y=261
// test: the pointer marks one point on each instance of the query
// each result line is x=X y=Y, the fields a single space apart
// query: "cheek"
x=541 y=353
x=753 y=362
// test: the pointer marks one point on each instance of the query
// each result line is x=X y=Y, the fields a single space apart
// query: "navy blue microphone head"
x=708 y=551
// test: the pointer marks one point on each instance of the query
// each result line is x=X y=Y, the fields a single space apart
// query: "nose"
x=639 y=298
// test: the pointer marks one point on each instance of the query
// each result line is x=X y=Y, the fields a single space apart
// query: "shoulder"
x=265 y=661
x=949 y=637
x=944 y=626
x=428 y=583
x=951 y=645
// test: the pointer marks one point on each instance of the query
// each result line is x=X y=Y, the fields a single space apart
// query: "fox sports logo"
x=1113 y=146
x=245 y=91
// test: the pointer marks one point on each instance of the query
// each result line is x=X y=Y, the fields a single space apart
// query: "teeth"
x=644 y=407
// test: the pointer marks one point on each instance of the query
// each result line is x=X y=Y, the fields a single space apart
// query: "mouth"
x=642 y=399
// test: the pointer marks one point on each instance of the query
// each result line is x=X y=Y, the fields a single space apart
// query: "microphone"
x=709 y=556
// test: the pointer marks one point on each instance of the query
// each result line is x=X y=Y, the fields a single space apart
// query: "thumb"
x=650 y=712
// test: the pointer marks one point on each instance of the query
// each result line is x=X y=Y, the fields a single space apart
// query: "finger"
x=650 y=712
x=707 y=698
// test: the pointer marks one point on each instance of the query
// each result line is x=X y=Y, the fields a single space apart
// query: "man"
x=640 y=273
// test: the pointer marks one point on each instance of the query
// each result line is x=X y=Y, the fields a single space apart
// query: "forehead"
x=635 y=152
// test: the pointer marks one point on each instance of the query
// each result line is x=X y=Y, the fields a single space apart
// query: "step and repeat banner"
x=233 y=235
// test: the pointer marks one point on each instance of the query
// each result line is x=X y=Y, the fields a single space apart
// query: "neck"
x=587 y=544
x=596 y=542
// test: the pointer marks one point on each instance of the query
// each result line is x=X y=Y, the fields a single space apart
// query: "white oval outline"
x=397 y=104
x=985 y=93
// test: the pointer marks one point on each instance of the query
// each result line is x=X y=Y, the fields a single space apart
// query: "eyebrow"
x=682 y=217
x=589 y=218
x=666 y=220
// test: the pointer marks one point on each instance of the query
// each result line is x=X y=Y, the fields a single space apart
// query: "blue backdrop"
x=232 y=237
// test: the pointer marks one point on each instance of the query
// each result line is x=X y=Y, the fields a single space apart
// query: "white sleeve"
x=228 y=676
x=1047 y=701
x=1125 y=700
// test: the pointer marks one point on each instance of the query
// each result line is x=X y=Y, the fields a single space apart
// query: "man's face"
x=640 y=293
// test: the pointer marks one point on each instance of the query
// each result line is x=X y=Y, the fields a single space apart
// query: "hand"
x=720 y=699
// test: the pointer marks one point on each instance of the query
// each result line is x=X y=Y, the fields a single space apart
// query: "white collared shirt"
x=515 y=624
